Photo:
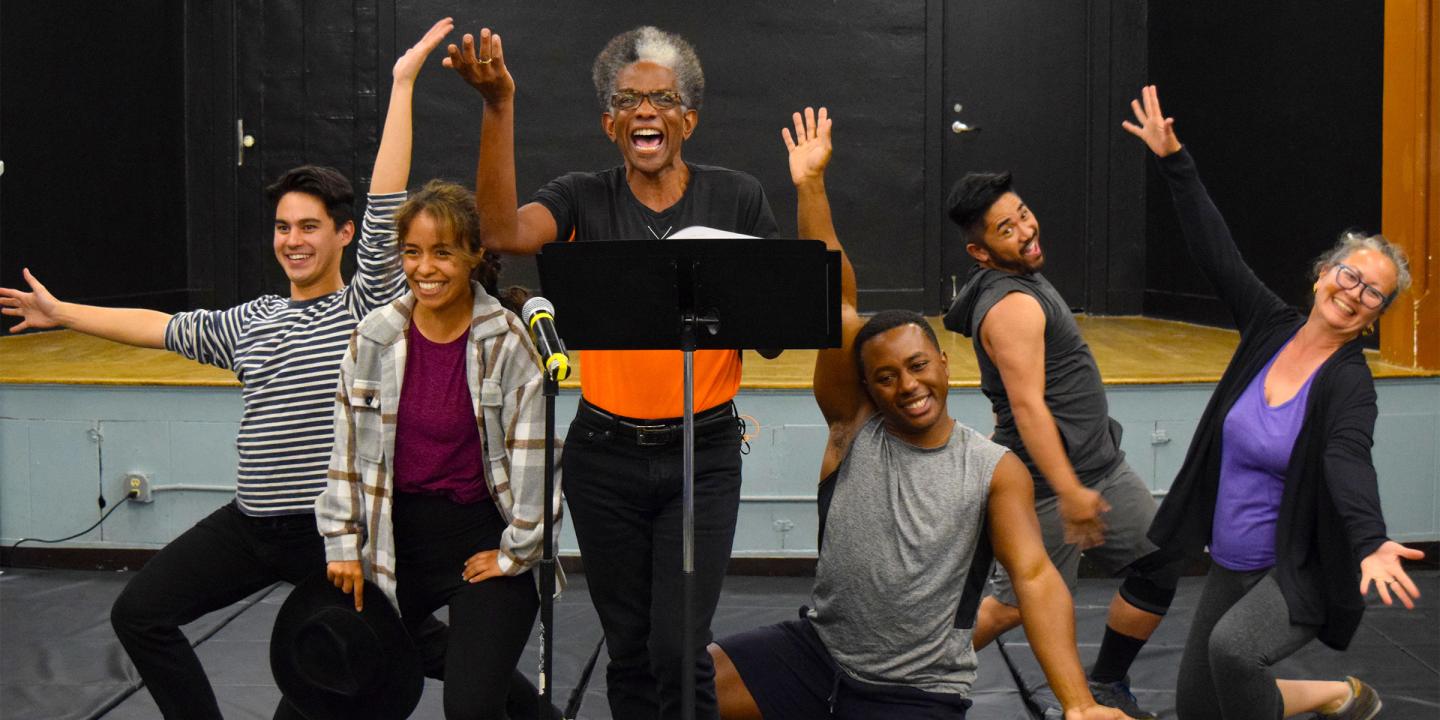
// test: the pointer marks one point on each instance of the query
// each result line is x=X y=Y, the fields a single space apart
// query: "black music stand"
x=693 y=295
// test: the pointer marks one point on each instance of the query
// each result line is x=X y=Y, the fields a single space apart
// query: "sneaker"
x=1364 y=703
x=1117 y=695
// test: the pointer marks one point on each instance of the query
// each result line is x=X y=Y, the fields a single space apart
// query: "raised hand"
x=1155 y=129
x=38 y=307
x=409 y=64
x=810 y=145
x=1384 y=569
x=483 y=67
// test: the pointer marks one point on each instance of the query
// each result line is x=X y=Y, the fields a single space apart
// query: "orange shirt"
x=650 y=384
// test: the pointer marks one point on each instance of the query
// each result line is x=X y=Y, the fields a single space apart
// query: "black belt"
x=654 y=433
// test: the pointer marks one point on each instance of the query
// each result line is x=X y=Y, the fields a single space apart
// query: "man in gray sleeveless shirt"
x=1050 y=409
x=909 y=499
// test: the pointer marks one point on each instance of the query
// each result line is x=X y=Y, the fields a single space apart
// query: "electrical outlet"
x=137 y=485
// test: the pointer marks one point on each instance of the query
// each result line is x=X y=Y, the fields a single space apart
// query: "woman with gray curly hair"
x=1278 y=481
x=622 y=460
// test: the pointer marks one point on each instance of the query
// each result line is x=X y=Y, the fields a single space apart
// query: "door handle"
x=242 y=141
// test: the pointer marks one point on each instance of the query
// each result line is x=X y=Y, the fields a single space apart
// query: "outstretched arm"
x=502 y=227
x=392 y=162
x=378 y=279
x=1207 y=236
x=838 y=391
x=810 y=148
x=38 y=309
x=1045 y=604
x=1013 y=334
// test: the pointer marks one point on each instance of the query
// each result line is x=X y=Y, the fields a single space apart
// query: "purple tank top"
x=1255 y=452
x=437 y=439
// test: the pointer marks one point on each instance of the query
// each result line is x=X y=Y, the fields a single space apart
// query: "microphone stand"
x=547 y=557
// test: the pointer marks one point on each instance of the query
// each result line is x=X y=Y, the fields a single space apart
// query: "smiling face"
x=649 y=138
x=1012 y=237
x=908 y=379
x=435 y=267
x=309 y=245
x=1344 y=310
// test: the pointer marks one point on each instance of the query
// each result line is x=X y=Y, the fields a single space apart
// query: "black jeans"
x=222 y=559
x=625 y=500
x=490 y=621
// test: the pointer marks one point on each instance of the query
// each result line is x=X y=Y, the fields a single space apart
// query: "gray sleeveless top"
x=901 y=530
x=1073 y=390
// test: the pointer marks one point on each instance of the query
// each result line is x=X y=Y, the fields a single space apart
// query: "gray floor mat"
x=59 y=657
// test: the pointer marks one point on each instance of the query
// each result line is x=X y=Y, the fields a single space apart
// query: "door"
x=1016 y=98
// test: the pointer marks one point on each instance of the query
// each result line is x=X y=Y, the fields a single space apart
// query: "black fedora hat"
x=333 y=662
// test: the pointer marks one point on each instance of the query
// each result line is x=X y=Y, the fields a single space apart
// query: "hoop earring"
x=1369 y=330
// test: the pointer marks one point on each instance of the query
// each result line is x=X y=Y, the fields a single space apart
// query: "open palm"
x=37 y=308
x=810 y=145
x=1156 y=130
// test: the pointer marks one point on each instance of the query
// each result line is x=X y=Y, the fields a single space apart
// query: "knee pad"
x=1149 y=593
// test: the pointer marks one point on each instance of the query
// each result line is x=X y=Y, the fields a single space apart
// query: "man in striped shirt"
x=286 y=351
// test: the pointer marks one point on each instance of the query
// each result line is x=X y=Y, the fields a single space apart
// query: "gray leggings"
x=1241 y=627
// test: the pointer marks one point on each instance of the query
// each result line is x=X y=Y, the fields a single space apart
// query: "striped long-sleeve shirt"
x=286 y=354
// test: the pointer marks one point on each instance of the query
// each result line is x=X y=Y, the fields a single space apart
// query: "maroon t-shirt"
x=437 y=439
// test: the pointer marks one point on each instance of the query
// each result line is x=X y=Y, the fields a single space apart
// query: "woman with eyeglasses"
x=623 y=462
x=1278 y=481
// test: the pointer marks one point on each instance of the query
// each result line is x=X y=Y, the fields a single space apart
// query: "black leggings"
x=1241 y=627
x=490 y=621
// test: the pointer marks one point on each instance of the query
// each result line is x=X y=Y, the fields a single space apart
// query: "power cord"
x=131 y=495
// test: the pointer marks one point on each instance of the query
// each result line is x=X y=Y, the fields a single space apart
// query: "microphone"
x=539 y=315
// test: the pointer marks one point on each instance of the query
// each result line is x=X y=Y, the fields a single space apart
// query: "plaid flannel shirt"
x=504 y=374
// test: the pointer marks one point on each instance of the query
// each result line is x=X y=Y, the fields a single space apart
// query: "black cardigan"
x=1330 y=508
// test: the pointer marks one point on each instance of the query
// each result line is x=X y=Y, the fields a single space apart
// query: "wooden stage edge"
x=1129 y=351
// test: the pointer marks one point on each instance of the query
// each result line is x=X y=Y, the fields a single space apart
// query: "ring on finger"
x=486 y=61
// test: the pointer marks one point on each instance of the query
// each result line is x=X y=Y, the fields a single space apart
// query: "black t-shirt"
x=600 y=206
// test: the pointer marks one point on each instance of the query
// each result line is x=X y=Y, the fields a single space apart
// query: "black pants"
x=625 y=500
x=222 y=559
x=490 y=621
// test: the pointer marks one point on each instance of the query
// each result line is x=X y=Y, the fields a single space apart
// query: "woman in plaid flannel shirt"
x=436 y=478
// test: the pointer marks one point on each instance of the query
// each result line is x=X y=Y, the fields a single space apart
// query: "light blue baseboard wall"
x=64 y=446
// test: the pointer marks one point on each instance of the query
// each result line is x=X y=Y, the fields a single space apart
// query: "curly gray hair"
x=1352 y=241
x=650 y=44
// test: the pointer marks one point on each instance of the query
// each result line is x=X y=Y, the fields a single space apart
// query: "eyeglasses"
x=660 y=99
x=1348 y=279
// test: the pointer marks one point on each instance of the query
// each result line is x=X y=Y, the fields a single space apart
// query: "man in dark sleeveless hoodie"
x=911 y=505
x=1050 y=409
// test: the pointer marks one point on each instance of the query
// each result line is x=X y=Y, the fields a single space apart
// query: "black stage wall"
x=1281 y=105
x=91 y=127
x=1257 y=89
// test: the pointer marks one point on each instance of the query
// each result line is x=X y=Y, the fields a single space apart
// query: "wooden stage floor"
x=1129 y=351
